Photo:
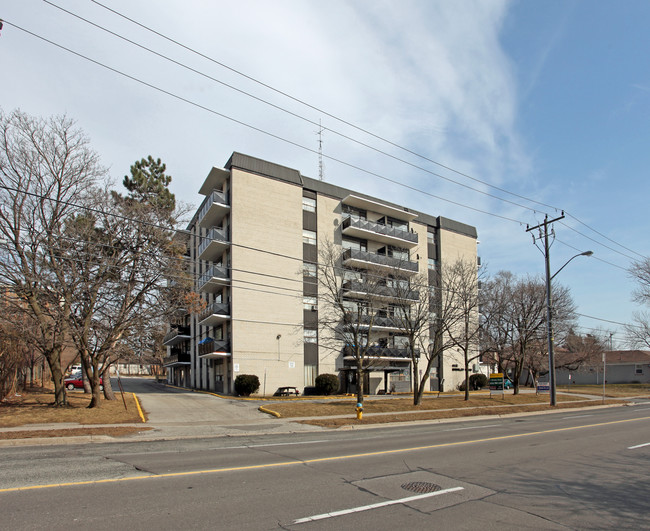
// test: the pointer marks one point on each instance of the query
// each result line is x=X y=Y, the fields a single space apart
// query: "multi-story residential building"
x=254 y=253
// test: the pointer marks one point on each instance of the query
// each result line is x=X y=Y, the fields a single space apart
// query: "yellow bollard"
x=359 y=410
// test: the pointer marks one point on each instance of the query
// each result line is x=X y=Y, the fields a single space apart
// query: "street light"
x=549 y=320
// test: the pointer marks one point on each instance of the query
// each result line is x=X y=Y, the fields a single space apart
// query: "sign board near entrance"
x=543 y=387
x=496 y=383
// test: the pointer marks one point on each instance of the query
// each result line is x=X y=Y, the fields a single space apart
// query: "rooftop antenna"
x=321 y=169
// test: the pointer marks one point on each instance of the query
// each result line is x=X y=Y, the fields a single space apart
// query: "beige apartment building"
x=254 y=254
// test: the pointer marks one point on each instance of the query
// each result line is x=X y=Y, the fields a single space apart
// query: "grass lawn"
x=34 y=406
x=402 y=409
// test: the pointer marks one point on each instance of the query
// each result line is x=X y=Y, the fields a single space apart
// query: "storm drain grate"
x=421 y=487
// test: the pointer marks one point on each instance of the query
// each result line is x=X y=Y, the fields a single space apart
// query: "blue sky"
x=548 y=100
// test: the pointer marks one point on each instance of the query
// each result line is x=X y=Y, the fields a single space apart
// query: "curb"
x=269 y=411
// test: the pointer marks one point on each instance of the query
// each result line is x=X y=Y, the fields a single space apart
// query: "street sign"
x=543 y=387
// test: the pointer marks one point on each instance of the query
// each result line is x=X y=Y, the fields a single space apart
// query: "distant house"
x=621 y=366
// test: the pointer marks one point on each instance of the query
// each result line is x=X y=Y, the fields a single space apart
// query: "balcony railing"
x=215 y=235
x=212 y=208
x=386 y=232
x=177 y=335
x=217 y=345
x=383 y=352
x=379 y=321
x=178 y=357
x=216 y=312
x=215 y=274
x=357 y=258
x=351 y=287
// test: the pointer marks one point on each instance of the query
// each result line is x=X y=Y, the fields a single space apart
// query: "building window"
x=396 y=223
x=310 y=303
x=354 y=213
x=431 y=238
x=308 y=269
x=309 y=237
x=311 y=336
x=353 y=243
x=638 y=369
x=432 y=264
x=310 y=375
x=309 y=204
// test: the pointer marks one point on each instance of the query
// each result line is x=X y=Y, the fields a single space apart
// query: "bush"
x=327 y=384
x=478 y=381
x=246 y=384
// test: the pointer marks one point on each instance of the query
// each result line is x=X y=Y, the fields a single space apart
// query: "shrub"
x=246 y=384
x=478 y=381
x=327 y=384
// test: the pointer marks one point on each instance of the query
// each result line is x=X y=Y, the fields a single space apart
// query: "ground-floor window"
x=310 y=375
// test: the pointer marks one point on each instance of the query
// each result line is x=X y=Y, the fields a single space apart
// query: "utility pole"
x=549 y=311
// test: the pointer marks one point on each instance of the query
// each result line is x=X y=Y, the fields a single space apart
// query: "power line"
x=263 y=131
x=354 y=126
x=358 y=168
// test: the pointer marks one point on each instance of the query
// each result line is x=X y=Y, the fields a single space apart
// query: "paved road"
x=566 y=470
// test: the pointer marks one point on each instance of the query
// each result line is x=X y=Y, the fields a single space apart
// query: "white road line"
x=577 y=417
x=643 y=409
x=638 y=446
x=473 y=427
x=374 y=506
x=269 y=444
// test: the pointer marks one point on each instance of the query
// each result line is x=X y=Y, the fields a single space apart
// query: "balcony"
x=382 y=353
x=213 y=209
x=213 y=244
x=380 y=322
x=214 y=348
x=373 y=205
x=215 y=314
x=176 y=336
x=177 y=358
x=366 y=260
x=363 y=290
x=369 y=230
x=214 y=279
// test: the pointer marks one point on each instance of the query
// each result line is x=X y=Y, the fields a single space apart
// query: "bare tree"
x=349 y=321
x=120 y=257
x=514 y=328
x=638 y=332
x=47 y=168
x=460 y=310
x=416 y=300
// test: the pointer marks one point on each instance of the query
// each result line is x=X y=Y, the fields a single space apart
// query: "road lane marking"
x=319 y=459
x=374 y=506
x=576 y=417
x=638 y=446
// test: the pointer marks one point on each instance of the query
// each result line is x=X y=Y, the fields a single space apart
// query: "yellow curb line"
x=137 y=403
x=269 y=411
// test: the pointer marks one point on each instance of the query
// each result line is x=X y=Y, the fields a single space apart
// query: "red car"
x=76 y=382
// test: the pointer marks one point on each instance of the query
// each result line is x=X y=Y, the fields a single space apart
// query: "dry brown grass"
x=403 y=410
x=34 y=406
x=298 y=408
x=112 y=431
x=611 y=390
x=447 y=414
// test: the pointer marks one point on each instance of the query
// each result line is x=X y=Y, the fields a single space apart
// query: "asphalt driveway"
x=176 y=412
